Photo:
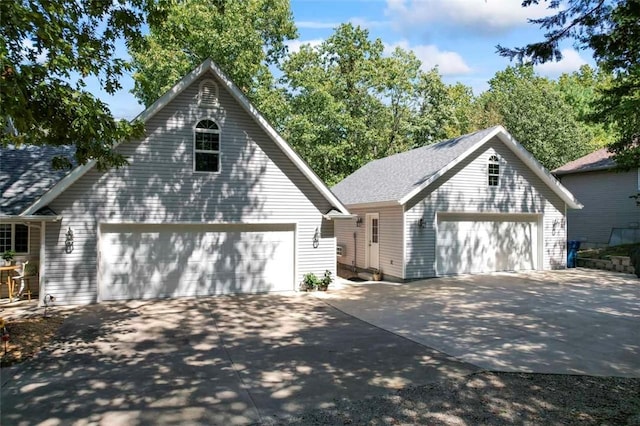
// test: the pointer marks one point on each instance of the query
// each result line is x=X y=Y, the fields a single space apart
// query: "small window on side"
x=493 y=171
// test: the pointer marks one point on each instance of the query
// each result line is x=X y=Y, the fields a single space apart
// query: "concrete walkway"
x=577 y=321
x=216 y=360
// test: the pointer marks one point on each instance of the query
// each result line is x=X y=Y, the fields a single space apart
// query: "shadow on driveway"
x=560 y=322
x=215 y=360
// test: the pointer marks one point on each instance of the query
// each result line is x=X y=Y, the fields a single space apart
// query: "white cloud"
x=571 y=61
x=294 y=45
x=28 y=48
x=448 y=62
x=316 y=25
x=483 y=16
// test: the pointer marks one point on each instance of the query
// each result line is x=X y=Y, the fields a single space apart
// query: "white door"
x=154 y=261
x=474 y=243
x=373 y=240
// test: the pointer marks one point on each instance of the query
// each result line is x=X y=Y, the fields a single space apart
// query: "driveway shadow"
x=214 y=360
x=559 y=322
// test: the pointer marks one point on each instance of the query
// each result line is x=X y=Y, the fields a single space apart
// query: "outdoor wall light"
x=421 y=223
x=359 y=222
x=316 y=238
x=68 y=242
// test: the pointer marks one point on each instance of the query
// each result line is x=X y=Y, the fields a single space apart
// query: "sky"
x=458 y=36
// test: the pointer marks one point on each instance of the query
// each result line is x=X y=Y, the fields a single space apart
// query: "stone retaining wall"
x=617 y=263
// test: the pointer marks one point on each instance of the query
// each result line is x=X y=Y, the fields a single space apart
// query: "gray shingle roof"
x=601 y=159
x=393 y=177
x=26 y=174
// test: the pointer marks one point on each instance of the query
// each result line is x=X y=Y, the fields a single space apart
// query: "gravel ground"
x=494 y=399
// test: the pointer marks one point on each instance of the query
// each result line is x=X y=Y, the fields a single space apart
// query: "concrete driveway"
x=215 y=360
x=573 y=321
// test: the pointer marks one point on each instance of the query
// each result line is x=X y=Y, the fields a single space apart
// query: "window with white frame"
x=14 y=237
x=207 y=147
x=493 y=170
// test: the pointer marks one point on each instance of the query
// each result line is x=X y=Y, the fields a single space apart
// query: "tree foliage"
x=243 y=37
x=535 y=112
x=612 y=30
x=48 y=50
x=350 y=103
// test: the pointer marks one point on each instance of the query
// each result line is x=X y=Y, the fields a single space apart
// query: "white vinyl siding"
x=390 y=237
x=464 y=189
x=257 y=184
x=605 y=196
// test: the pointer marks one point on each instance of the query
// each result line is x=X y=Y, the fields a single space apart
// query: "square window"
x=21 y=243
x=5 y=238
x=207 y=162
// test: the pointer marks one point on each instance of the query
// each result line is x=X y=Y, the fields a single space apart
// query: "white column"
x=43 y=239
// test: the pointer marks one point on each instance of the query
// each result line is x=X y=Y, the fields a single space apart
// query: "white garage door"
x=473 y=243
x=154 y=261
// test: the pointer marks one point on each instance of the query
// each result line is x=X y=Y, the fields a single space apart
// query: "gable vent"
x=208 y=95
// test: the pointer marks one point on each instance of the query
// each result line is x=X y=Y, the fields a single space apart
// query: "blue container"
x=572 y=252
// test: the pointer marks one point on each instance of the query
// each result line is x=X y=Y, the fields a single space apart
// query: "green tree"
x=337 y=117
x=534 y=111
x=243 y=37
x=612 y=30
x=48 y=50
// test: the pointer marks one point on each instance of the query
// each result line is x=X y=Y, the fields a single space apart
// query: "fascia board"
x=544 y=175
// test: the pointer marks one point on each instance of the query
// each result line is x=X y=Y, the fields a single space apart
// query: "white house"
x=476 y=203
x=212 y=201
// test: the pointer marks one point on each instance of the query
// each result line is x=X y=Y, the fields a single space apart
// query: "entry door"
x=373 y=238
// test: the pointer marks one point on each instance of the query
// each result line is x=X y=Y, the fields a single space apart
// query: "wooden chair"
x=29 y=271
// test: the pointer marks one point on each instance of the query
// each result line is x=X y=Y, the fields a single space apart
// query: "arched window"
x=493 y=171
x=206 y=147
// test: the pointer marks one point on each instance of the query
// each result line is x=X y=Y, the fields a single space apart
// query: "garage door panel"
x=164 y=261
x=486 y=243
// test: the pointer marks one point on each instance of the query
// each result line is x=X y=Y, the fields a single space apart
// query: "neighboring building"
x=609 y=216
x=477 y=203
x=213 y=201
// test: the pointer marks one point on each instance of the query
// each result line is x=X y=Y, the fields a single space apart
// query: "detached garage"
x=153 y=261
x=478 y=203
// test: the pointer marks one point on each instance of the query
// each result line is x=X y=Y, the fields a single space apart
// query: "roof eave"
x=29 y=218
x=407 y=198
x=520 y=152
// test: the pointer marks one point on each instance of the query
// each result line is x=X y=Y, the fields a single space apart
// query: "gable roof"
x=601 y=159
x=27 y=173
x=164 y=100
x=396 y=179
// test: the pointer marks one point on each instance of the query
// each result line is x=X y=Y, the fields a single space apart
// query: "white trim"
x=367 y=237
x=291 y=227
x=29 y=219
x=42 y=272
x=537 y=218
x=219 y=151
x=375 y=205
x=520 y=152
x=165 y=99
